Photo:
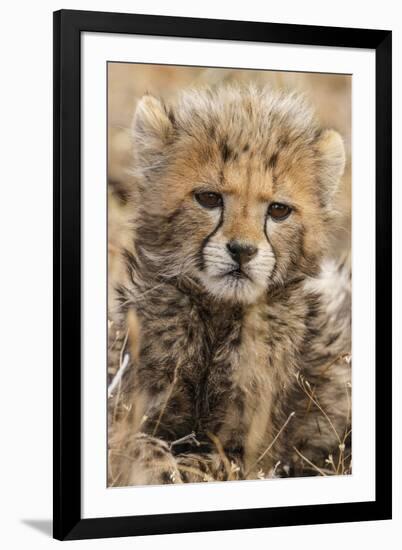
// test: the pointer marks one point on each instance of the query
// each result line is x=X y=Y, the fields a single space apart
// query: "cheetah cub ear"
x=331 y=154
x=152 y=127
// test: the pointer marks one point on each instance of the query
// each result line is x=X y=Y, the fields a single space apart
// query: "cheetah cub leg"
x=152 y=462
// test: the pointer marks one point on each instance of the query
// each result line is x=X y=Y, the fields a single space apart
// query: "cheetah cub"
x=237 y=327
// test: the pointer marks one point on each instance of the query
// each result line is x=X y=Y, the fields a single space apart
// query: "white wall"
x=26 y=268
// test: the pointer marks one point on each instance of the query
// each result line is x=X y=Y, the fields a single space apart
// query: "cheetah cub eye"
x=208 y=199
x=278 y=211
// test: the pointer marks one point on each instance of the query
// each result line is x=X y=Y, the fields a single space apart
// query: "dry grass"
x=340 y=464
x=343 y=463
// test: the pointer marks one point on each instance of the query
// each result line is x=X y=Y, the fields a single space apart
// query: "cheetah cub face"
x=234 y=189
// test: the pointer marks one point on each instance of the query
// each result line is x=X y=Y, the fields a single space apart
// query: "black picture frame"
x=68 y=26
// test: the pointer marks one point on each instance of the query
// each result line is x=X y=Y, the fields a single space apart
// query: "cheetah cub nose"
x=240 y=252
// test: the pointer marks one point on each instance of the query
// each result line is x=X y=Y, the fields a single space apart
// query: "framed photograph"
x=216 y=184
